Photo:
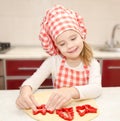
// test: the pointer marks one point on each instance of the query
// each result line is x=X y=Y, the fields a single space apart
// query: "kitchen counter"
x=25 y=52
x=108 y=102
x=36 y=52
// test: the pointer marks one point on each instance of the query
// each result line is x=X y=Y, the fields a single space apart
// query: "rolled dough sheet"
x=42 y=98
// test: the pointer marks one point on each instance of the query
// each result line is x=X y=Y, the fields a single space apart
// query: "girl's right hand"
x=26 y=99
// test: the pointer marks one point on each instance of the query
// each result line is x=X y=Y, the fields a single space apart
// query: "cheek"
x=62 y=50
x=81 y=42
x=80 y=45
x=59 y=48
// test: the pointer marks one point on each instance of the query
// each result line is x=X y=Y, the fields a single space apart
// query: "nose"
x=69 y=45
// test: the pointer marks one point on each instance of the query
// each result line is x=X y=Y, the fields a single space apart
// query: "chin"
x=73 y=56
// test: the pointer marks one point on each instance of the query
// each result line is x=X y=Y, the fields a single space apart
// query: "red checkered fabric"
x=68 y=77
x=57 y=20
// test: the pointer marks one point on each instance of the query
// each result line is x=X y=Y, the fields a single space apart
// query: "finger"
x=57 y=103
x=31 y=104
x=23 y=106
x=51 y=98
x=21 y=103
x=61 y=103
x=51 y=101
x=34 y=101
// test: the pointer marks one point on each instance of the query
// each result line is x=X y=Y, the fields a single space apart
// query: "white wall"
x=20 y=19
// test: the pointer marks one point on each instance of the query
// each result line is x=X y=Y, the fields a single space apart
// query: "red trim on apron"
x=67 y=77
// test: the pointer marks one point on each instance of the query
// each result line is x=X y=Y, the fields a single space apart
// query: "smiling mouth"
x=73 y=50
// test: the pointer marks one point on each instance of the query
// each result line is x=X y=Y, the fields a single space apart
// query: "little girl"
x=75 y=73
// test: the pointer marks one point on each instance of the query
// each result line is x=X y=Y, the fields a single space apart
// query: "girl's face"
x=70 y=44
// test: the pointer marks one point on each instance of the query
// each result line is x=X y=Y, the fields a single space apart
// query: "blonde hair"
x=86 y=55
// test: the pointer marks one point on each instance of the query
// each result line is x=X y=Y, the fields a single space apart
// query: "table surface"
x=108 y=102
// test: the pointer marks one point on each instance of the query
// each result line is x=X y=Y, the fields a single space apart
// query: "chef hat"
x=57 y=20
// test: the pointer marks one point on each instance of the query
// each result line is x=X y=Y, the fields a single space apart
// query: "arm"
x=26 y=99
x=62 y=95
x=40 y=75
x=93 y=89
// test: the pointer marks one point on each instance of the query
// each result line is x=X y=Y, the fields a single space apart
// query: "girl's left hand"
x=61 y=96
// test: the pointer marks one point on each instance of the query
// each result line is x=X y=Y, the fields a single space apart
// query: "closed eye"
x=61 y=44
x=73 y=38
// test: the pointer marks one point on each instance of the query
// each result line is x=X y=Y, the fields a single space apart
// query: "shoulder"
x=53 y=63
x=54 y=59
x=94 y=64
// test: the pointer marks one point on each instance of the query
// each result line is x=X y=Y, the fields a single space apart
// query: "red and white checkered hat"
x=57 y=20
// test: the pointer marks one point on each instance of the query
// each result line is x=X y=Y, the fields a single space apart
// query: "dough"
x=42 y=98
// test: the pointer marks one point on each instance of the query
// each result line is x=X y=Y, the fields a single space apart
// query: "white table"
x=108 y=102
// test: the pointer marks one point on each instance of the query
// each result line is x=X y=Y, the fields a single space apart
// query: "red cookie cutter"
x=84 y=109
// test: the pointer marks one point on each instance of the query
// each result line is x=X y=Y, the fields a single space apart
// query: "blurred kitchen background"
x=20 y=19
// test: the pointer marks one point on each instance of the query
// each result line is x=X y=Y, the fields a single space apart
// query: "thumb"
x=34 y=102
